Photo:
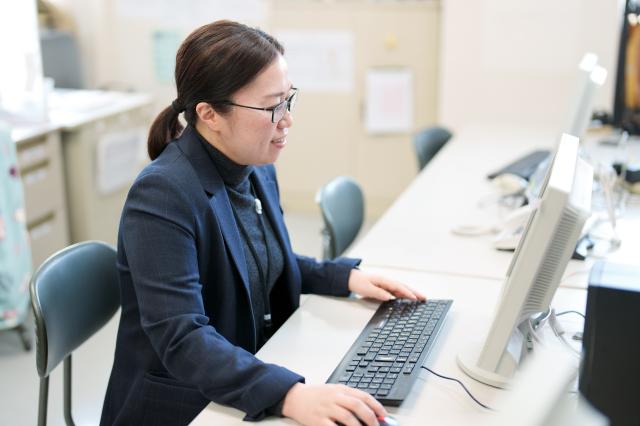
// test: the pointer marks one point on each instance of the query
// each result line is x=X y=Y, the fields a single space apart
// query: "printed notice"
x=389 y=100
x=118 y=159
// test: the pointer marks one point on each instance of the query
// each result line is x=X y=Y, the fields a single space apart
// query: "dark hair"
x=213 y=62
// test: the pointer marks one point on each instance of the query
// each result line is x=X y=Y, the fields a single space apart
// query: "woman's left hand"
x=377 y=287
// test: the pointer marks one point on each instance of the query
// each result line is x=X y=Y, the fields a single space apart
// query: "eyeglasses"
x=277 y=111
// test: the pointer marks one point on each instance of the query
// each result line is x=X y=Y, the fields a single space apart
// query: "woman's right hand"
x=326 y=405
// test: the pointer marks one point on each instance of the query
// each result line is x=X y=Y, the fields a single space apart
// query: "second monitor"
x=537 y=266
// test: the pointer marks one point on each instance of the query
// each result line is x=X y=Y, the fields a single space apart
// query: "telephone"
x=512 y=228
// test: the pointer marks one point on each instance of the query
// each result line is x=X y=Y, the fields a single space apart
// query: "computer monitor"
x=589 y=79
x=538 y=263
x=626 y=100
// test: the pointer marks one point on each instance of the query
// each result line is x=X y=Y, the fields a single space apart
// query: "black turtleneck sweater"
x=237 y=180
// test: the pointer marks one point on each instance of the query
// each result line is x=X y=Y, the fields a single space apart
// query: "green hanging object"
x=15 y=253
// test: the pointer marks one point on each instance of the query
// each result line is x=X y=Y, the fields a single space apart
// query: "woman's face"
x=247 y=136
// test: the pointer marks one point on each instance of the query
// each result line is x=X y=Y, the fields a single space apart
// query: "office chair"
x=342 y=206
x=73 y=294
x=428 y=142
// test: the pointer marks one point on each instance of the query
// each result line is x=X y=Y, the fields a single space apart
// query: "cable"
x=474 y=230
x=534 y=335
x=461 y=384
x=570 y=312
x=559 y=332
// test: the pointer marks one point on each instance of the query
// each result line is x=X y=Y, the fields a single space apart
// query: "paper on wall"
x=118 y=159
x=165 y=46
x=319 y=61
x=389 y=100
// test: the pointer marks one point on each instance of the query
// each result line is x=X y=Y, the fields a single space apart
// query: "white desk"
x=319 y=333
x=415 y=233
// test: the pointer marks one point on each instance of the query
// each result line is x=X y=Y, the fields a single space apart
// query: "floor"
x=92 y=362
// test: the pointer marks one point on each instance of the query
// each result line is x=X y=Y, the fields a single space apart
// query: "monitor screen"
x=626 y=102
x=539 y=261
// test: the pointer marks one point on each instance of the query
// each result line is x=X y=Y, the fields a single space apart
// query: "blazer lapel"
x=213 y=185
x=267 y=191
x=221 y=208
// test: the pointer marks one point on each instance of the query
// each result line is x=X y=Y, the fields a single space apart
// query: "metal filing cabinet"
x=94 y=214
x=40 y=162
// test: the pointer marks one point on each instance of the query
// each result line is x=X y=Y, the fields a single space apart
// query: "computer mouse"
x=387 y=421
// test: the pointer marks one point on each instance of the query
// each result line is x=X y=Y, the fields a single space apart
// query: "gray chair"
x=428 y=142
x=342 y=206
x=73 y=294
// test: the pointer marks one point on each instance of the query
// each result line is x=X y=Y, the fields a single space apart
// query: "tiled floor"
x=92 y=362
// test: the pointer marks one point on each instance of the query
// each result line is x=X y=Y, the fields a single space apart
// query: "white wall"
x=512 y=62
x=21 y=84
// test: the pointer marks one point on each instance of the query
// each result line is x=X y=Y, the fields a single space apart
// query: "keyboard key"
x=385 y=358
x=345 y=378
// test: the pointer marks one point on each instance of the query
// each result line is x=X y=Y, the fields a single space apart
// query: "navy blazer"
x=187 y=334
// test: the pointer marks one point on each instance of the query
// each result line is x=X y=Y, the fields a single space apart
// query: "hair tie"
x=177 y=107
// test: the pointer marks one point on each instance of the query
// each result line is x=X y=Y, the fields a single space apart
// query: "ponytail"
x=165 y=128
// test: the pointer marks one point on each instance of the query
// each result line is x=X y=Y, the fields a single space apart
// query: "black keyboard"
x=523 y=166
x=385 y=360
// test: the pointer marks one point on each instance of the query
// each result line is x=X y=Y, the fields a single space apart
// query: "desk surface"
x=320 y=332
x=416 y=232
x=69 y=109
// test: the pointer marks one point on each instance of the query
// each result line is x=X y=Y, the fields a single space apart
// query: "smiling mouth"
x=280 y=141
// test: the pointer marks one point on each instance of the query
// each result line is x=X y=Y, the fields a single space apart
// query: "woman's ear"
x=208 y=116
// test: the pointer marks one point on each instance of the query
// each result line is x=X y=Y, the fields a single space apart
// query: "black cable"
x=570 y=312
x=461 y=384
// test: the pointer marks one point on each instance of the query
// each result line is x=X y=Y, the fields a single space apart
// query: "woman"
x=206 y=268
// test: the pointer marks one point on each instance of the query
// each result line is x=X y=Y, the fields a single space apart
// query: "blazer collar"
x=192 y=146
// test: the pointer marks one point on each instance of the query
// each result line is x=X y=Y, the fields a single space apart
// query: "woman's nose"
x=286 y=121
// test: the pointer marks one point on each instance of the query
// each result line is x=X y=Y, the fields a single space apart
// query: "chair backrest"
x=73 y=294
x=342 y=205
x=428 y=142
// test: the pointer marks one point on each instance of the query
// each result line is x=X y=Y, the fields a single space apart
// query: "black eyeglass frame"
x=289 y=102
